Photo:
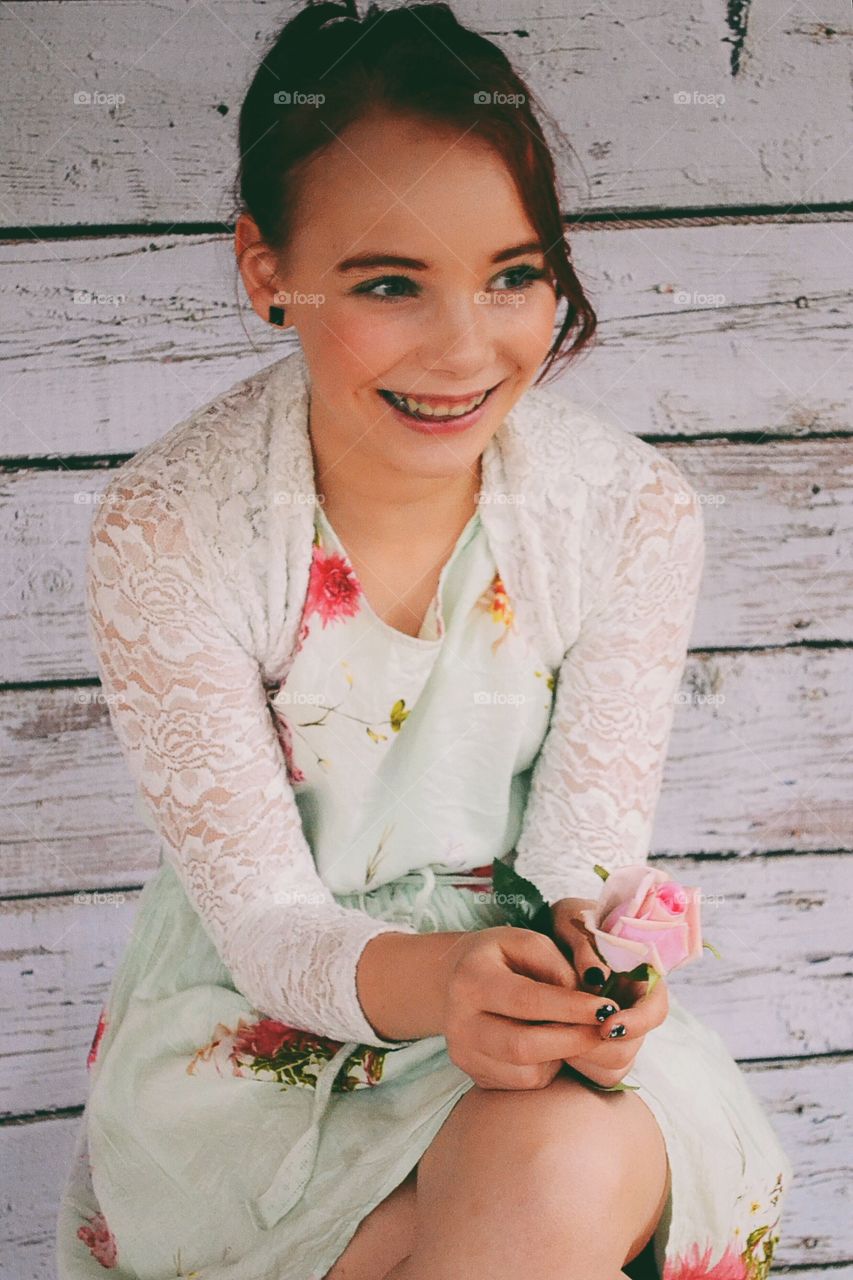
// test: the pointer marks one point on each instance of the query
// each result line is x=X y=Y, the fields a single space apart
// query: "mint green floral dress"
x=221 y=1144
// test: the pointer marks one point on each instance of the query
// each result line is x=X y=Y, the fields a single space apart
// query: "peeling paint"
x=737 y=13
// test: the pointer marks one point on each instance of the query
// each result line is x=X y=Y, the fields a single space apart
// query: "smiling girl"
x=374 y=617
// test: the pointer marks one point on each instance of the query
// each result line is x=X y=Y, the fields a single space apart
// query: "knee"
x=581 y=1153
x=572 y=1143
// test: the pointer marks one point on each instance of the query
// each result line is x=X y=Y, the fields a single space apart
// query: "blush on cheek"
x=360 y=340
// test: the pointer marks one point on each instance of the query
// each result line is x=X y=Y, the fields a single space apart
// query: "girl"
x=374 y=617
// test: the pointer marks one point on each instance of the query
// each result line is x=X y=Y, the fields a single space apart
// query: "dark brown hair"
x=328 y=67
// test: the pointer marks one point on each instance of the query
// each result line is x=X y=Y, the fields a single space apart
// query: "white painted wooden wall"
x=724 y=340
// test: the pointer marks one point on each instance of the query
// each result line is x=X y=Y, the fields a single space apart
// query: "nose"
x=459 y=337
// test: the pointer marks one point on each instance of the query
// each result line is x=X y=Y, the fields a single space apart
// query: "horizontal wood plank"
x=705 y=330
x=738 y=106
x=777 y=989
x=744 y=774
x=778 y=562
x=801 y=1098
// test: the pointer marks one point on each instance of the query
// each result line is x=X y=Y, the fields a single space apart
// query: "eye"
x=368 y=286
x=521 y=277
x=524 y=275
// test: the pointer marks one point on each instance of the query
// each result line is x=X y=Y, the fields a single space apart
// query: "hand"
x=612 y=1059
x=640 y=1010
x=572 y=938
x=513 y=1011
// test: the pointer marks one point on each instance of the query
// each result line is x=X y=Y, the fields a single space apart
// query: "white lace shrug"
x=198 y=564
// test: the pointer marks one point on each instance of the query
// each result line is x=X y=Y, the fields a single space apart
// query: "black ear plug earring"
x=277 y=315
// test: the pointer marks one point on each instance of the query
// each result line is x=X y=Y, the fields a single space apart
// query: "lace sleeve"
x=188 y=706
x=596 y=781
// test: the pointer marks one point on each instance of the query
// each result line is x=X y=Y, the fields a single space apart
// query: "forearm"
x=401 y=981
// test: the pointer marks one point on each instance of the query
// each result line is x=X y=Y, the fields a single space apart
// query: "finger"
x=491 y=1074
x=531 y=953
x=515 y=996
x=527 y=1043
x=648 y=1013
x=591 y=969
x=629 y=991
x=615 y=1054
x=587 y=963
x=605 y=1076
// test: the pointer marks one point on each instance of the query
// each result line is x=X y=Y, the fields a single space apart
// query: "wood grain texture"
x=802 y=1103
x=708 y=330
x=778 y=561
x=752 y=131
x=781 y=926
x=727 y=342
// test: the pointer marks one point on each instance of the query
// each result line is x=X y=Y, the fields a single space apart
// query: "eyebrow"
x=366 y=261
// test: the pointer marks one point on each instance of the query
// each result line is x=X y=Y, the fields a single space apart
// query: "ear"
x=259 y=267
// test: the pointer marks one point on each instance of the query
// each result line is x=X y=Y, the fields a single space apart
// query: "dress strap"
x=421 y=900
x=292 y=1175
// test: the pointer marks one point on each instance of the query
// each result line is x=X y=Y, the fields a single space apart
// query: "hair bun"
x=310 y=20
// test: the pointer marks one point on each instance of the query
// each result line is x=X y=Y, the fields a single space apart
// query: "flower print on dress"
x=99 y=1032
x=279 y=699
x=97 y=1236
x=271 y=1050
x=397 y=715
x=753 y=1262
x=285 y=737
x=496 y=603
x=334 y=591
x=694 y=1265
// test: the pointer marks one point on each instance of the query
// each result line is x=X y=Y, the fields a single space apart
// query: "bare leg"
x=384 y=1237
x=563 y=1183
x=405 y=1271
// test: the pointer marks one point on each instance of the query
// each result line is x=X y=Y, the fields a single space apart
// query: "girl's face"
x=408 y=274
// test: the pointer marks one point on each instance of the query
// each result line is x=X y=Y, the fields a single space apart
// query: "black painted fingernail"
x=594 y=977
x=618 y=1030
x=605 y=1011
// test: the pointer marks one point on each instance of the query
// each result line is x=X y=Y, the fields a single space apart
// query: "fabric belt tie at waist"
x=420 y=904
x=420 y=909
x=293 y=1174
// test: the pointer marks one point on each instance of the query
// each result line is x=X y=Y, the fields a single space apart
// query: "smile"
x=435 y=409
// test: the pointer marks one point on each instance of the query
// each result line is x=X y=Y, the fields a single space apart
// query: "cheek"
x=363 y=337
x=534 y=327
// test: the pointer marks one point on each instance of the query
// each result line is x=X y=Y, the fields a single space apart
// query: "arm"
x=596 y=782
x=402 y=982
x=187 y=704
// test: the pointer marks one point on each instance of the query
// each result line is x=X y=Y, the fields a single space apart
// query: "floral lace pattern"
x=597 y=782
x=198 y=570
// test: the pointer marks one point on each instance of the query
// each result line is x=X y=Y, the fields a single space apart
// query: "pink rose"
x=644 y=917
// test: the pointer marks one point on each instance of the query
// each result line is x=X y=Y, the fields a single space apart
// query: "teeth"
x=439 y=410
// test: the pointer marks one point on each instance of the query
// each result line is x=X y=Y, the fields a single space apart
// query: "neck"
x=400 y=508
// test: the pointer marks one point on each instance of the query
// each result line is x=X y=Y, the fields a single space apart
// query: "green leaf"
x=621 y=1087
x=712 y=948
x=520 y=900
x=639 y=974
x=601 y=871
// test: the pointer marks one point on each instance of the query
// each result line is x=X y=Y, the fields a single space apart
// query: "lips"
x=439 y=408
